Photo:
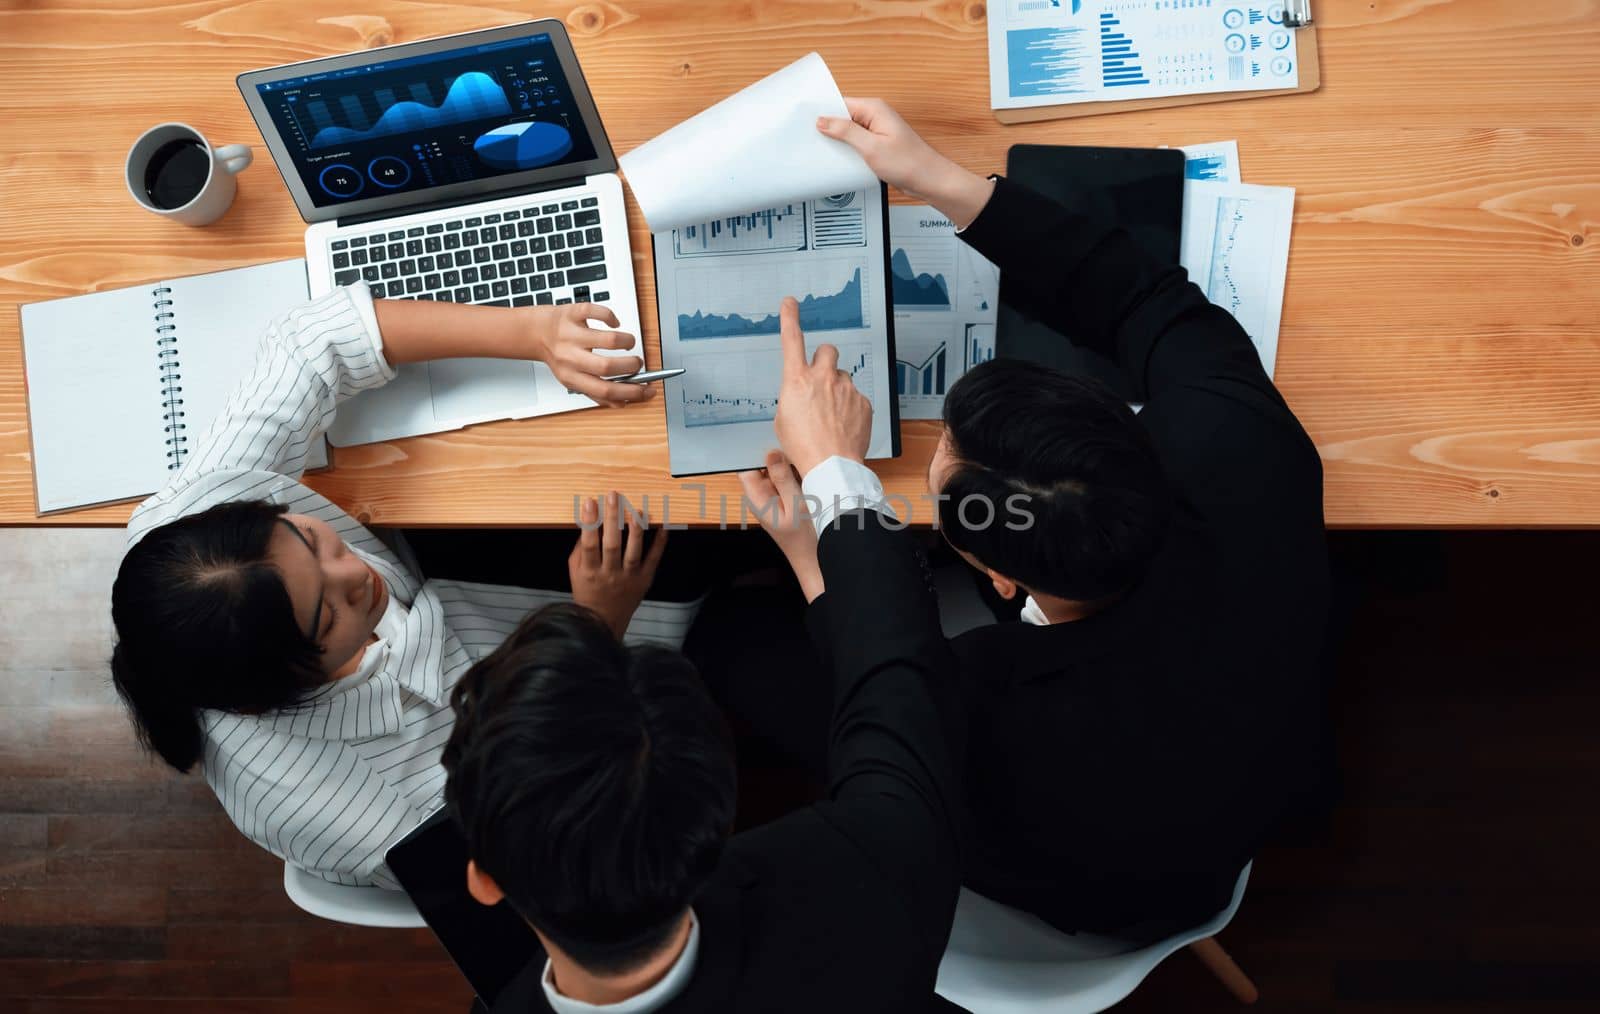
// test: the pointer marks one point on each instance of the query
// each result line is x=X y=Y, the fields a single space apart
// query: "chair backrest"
x=359 y=906
x=1003 y=961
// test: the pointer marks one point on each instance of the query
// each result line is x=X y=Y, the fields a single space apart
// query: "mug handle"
x=235 y=157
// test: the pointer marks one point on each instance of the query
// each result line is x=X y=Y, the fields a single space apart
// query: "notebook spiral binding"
x=171 y=387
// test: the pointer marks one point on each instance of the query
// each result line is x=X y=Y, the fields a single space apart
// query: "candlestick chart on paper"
x=728 y=388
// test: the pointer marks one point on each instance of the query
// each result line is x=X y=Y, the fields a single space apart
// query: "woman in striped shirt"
x=268 y=636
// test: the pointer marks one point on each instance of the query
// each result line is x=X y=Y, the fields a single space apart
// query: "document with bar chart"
x=1055 y=52
x=945 y=296
x=719 y=285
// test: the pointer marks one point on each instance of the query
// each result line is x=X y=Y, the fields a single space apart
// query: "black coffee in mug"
x=176 y=173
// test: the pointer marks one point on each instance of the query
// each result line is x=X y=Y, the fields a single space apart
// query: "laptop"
x=491 y=945
x=471 y=168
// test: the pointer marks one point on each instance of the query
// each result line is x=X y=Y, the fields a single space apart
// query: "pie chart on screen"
x=523 y=145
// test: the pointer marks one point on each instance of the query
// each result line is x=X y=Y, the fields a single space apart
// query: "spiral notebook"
x=122 y=383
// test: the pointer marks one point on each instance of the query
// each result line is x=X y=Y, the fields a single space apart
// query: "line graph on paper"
x=1244 y=261
x=742 y=299
x=1236 y=281
x=742 y=387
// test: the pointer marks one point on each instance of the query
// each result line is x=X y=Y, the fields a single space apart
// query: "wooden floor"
x=1458 y=872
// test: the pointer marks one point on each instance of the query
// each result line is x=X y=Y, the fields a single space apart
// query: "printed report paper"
x=945 y=297
x=747 y=204
x=1057 y=52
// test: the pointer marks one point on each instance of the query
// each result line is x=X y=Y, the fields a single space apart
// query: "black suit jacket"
x=1125 y=766
x=845 y=905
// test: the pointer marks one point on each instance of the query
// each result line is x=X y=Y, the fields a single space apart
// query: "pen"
x=647 y=376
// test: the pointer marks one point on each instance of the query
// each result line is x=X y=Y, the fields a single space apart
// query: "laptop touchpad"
x=479 y=390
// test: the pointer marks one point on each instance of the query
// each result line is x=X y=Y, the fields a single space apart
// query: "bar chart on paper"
x=979 y=345
x=742 y=386
x=766 y=231
x=734 y=301
x=1120 y=64
x=926 y=377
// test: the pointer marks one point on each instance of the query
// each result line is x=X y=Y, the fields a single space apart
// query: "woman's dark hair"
x=593 y=781
x=204 y=621
x=1070 y=496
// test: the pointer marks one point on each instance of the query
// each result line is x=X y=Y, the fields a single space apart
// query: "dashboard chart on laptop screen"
x=426 y=121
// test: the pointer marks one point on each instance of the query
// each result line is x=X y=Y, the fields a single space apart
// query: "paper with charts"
x=1056 y=52
x=1236 y=248
x=718 y=288
x=944 y=295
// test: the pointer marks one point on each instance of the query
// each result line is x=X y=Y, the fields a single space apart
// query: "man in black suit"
x=1156 y=711
x=595 y=785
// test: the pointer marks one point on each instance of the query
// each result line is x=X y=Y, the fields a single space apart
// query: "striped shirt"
x=329 y=783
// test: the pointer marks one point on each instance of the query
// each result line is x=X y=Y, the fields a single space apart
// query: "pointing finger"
x=794 y=343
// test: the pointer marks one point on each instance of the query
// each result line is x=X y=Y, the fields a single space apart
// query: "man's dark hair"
x=204 y=621
x=1099 y=501
x=593 y=781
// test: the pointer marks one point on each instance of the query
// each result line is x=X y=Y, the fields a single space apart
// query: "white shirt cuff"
x=361 y=297
x=838 y=485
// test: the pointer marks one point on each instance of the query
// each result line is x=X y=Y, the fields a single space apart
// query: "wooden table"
x=1441 y=331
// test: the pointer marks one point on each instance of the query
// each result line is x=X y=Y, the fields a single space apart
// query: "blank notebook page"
x=94 y=398
x=221 y=318
x=100 y=373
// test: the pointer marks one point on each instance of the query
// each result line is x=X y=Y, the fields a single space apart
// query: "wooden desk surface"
x=1441 y=331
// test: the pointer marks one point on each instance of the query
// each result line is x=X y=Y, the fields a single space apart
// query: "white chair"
x=1002 y=961
x=358 y=906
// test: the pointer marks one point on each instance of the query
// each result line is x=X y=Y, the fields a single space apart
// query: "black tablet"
x=1139 y=188
x=491 y=946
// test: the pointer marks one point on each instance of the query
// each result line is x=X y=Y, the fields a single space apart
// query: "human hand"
x=902 y=159
x=820 y=412
x=607 y=575
x=562 y=339
x=783 y=512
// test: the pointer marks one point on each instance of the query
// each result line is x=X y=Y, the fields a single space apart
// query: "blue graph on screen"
x=472 y=96
x=834 y=312
x=1119 y=64
x=914 y=291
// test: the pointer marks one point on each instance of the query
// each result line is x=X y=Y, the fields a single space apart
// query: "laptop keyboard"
x=547 y=253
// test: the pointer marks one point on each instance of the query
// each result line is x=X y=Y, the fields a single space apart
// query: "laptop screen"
x=409 y=124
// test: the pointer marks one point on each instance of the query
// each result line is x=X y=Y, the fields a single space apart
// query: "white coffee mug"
x=215 y=195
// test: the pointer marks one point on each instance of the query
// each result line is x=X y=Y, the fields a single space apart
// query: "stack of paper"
x=1236 y=242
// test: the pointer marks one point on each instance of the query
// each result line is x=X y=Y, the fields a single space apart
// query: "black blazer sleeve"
x=1225 y=435
x=896 y=739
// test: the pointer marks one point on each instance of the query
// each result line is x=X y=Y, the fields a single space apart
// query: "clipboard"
x=1297 y=16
